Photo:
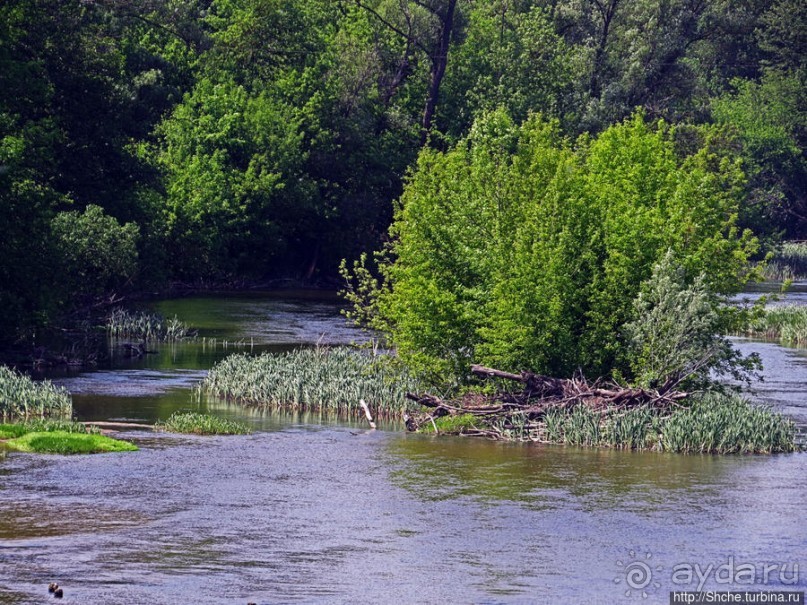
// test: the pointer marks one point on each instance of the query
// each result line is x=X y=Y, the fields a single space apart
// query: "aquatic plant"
x=720 y=423
x=201 y=424
x=332 y=379
x=63 y=442
x=788 y=263
x=142 y=326
x=21 y=398
x=727 y=424
x=788 y=323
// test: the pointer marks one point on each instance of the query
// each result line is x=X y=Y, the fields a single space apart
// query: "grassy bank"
x=789 y=263
x=713 y=423
x=59 y=437
x=21 y=398
x=201 y=424
x=787 y=323
x=329 y=379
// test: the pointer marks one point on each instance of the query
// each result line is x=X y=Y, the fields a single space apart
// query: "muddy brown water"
x=309 y=509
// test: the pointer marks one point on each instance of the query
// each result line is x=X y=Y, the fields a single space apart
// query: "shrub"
x=97 y=253
x=519 y=249
x=676 y=337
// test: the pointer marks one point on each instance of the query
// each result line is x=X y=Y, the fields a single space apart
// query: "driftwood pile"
x=528 y=404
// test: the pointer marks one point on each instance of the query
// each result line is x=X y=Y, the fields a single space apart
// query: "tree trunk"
x=439 y=61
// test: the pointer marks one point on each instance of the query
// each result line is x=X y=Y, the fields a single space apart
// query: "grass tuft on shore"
x=328 y=379
x=63 y=442
x=201 y=424
x=21 y=398
x=10 y=431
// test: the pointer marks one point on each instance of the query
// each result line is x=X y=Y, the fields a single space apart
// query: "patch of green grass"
x=21 y=398
x=9 y=431
x=62 y=442
x=201 y=424
x=452 y=425
x=329 y=379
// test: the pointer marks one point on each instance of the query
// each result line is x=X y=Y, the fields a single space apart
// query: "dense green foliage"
x=676 y=339
x=145 y=141
x=519 y=249
x=21 y=398
x=201 y=424
x=332 y=380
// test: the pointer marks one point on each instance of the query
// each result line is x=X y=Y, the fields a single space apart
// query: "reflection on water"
x=312 y=508
x=258 y=319
x=332 y=514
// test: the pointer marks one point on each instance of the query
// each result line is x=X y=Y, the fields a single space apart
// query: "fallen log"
x=536 y=396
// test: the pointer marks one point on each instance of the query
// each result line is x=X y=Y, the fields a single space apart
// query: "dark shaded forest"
x=145 y=142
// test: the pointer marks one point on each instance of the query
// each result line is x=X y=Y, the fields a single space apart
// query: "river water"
x=309 y=509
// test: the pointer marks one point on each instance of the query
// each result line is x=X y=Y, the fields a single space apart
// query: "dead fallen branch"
x=527 y=405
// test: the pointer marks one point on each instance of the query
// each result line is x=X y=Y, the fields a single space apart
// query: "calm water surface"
x=312 y=510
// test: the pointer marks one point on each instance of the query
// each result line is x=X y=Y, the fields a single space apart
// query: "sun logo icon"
x=638 y=574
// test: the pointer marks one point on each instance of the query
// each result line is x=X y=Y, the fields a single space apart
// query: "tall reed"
x=727 y=424
x=715 y=422
x=333 y=379
x=21 y=398
x=790 y=262
x=787 y=323
x=138 y=325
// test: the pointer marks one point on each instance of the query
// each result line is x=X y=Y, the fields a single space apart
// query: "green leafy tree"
x=520 y=250
x=676 y=339
x=770 y=119
x=95 y=253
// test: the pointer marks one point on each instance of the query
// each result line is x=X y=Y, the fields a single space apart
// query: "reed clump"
x=788 y=263
x=787 y=323
x=201 y=424
x=21 y=398
x=713 y=423
x=727 y=424
x=147 y=327
x=328 y=379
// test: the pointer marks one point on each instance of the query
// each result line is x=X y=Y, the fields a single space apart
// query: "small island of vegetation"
x=569 y=190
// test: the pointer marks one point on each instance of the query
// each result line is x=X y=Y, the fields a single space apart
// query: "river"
x=309 y=509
